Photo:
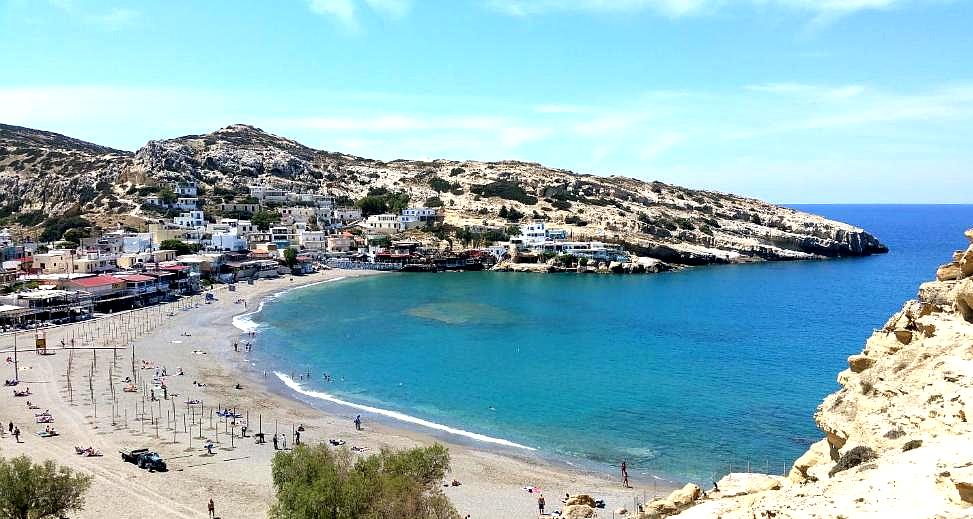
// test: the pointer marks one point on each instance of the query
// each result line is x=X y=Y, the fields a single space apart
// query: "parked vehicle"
x=145 y=459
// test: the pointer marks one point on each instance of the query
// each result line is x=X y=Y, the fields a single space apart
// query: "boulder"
x=962 y=478
x=580 y=499
x=577 y=512
x=859 y=363
x=949 y=272
x=818 y=455
x=969 y=235
x=963 y=294
x=966 y=263
x=684 y=496
x=741 y=483
x=936 y=293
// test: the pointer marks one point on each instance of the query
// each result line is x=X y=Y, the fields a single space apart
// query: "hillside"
x=46 y=171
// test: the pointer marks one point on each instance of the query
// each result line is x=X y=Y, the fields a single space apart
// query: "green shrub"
x=42 y=491
x=313 y=482
x=506 y=190
x=852 y=459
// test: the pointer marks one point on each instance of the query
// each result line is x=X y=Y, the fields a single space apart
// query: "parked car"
x=145 y=459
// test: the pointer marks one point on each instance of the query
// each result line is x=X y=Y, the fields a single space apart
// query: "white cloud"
x=341 y=10
x=610 y=124
x=393 y=123
x=871 y=108
x=660 y=144
x=561 y=109
x=805 y=90
x=393 y=8
x=112 y=18
x=346 y=11
x=677 y=8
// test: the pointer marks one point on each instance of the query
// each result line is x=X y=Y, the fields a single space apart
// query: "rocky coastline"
x=896 y=438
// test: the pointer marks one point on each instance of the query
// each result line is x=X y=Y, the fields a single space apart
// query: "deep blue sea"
x=680 y=374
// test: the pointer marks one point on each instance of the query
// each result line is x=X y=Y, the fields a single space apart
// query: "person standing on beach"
x=540 y=504
x=211 y=508
x=625 y=475
x=17 y=434
x=358 y=423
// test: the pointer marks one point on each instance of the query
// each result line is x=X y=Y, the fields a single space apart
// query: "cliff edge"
x=898 y=441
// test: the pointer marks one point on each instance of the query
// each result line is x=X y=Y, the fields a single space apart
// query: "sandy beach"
x=198 y=337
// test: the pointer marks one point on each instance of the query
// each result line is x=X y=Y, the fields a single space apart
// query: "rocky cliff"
x=45 y=174
x=670 y=223
x=898 y=441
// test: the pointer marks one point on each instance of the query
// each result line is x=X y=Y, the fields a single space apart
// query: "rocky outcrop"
x=46 y=174
x=898 y=441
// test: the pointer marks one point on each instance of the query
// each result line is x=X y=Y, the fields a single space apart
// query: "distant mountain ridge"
x=52 y=173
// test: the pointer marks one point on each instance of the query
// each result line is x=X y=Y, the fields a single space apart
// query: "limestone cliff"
x=898 y=438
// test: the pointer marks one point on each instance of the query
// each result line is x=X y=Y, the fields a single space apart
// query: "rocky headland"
x=897 y=438
x=44 y=175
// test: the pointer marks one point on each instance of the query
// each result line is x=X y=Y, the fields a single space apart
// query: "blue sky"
x=794 y=101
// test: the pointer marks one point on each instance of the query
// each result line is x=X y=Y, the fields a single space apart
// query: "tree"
x=167 y=196
x=179 y=246
x=39 y=491
x=290 y=256
x=372 y=205
x=315 y=482
x=264 y=219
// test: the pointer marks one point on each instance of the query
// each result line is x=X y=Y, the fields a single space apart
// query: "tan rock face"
x=949 y=272
x=581 y=499
x=738 y=484
x=685 y=496
x=817 y=456
x=578 y=512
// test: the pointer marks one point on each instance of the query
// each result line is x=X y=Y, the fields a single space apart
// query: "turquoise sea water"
x=679 y=374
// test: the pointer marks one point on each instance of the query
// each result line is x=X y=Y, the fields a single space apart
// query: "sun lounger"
x=47 y=434
x=45 y=419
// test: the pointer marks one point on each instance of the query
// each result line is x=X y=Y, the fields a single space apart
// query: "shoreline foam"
x=395 y=415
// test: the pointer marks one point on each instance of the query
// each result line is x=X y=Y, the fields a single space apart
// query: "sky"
x=792 y=101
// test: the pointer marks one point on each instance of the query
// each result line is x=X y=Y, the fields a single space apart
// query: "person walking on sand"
x=625 y=475
x=211 y=508
x=540 y=504
x=17 y=434
x=358 y=423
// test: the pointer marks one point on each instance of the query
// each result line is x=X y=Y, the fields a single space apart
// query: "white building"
x=283 y=235
x=313 y=240
x=137 y=242
x=421 y=214
x=383 y=223
x=226 y=241
x=531 y=234
x=191 y=219
x=345 y=215
x=186 y=203
x=186 y=189
x=292 y=215
x=266 y=193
